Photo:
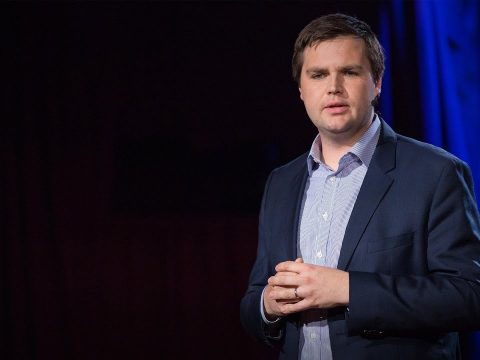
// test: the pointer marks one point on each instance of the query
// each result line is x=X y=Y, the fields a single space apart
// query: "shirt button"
x=332 y=179
x=325 y=216
x=313 y=336
x=319 y=254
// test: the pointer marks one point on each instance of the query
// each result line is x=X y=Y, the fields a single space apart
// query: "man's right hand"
x=271 y=306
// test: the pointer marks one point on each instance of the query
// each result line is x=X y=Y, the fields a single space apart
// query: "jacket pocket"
x=390 y=243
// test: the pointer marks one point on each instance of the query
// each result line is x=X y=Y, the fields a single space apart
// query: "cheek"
x=365 y=96
x=371 y=91
x=310 y=99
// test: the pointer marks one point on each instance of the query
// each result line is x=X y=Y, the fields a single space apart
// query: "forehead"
x=336 y=50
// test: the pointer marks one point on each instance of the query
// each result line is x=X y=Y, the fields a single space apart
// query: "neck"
x=337 y=145
x=332 y=153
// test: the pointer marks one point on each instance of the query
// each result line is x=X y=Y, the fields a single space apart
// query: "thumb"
x=299 y=260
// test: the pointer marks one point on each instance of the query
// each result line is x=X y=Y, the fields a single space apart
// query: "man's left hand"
x=316 y=286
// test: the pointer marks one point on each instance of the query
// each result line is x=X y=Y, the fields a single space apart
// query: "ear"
x=378 y=87
x=301 y=95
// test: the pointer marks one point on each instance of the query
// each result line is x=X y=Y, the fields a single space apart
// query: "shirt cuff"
x=262 y=311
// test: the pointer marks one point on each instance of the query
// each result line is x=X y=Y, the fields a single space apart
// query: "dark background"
x=135 y=142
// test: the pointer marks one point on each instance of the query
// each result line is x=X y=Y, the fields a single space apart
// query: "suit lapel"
x=374 y=187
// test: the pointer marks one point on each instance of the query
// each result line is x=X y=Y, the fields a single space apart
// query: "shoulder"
x=413 y=153
x=429 y=166
x=290 y=173
x=283 y=179
x=420 y=154
x=292 y=167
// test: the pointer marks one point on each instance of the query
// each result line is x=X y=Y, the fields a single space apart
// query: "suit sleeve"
x=250 y=315
x=447 y=298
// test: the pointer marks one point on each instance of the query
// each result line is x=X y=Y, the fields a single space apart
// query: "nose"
x=335 y=86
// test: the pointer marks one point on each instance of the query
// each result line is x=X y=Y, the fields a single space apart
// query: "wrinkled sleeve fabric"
x=250 y=314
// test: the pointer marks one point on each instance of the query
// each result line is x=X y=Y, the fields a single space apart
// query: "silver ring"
x=295 y=292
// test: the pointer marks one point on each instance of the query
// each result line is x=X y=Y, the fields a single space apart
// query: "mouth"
x=336 y=107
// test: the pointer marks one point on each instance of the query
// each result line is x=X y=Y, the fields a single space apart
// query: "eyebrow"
x=316 y=69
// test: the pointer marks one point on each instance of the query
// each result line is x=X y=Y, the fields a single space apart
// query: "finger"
x=283 y=273
x=293 y=307
x=288 y=301
x=284 y=293
x=290 y=266
x=287 y=280
x=286 y=273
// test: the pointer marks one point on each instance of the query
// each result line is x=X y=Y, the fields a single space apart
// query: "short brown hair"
x=330 y=26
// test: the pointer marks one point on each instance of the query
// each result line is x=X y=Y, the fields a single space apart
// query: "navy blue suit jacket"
x=411 y=247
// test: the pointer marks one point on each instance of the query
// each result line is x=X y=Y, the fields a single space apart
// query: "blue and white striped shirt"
x=327 y=204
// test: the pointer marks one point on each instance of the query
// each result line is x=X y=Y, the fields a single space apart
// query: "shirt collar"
x=363 y=148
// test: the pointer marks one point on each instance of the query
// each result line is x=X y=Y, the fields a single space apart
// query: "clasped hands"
x=298 y=286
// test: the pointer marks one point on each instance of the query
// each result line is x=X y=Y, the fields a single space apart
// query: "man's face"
x=337 y=88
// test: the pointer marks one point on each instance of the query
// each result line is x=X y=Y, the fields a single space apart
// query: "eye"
x=318 y=75
x=350 y=72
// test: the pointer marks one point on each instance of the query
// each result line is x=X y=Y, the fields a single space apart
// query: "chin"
x=339 y=126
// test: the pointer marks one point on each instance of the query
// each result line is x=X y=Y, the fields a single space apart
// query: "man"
x=369 y=244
